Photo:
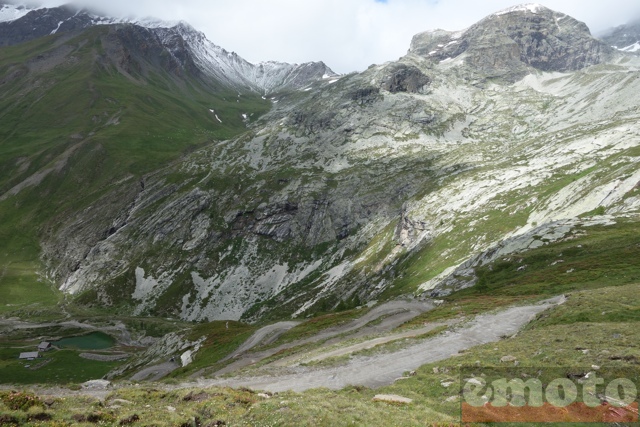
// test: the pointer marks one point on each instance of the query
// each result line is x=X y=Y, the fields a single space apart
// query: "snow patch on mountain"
x=530 y=7
x=632 y=48
x=228 y=67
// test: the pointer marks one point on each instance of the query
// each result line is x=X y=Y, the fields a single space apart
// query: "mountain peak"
x=187 y=46
x=508 y=43
x=527 y=7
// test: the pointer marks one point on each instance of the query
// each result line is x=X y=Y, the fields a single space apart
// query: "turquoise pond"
x=92 y=341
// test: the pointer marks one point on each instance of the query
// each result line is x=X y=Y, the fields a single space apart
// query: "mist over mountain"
x=363 y=31
x=624 y=37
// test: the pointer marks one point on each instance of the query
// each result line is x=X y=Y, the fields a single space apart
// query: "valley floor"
x=581 y=329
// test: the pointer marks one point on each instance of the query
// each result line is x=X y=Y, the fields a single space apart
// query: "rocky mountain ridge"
x=20 y=24
x=391 y=181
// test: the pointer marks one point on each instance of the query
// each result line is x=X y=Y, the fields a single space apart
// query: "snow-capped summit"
x=21 y=23
x=528 y=7
x=229 y=67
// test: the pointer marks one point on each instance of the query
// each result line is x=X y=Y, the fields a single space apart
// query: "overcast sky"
x=348 y=35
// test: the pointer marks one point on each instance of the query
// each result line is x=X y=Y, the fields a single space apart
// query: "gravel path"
x=384 y=369
x=397 y=312
x=307 y=357
x=156 y=372
x=264 y=336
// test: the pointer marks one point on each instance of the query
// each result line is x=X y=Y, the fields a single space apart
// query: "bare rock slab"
x=391 y=398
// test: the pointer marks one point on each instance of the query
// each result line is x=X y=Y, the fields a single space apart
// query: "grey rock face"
x=330 y=195
x=138 y=46
x=405 y=79
x=42 y=22
x=505 y=44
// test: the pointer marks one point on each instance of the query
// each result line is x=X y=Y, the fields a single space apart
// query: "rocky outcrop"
x=403 y=78
x=171 y=346
x=411 y=231
x=464 y=275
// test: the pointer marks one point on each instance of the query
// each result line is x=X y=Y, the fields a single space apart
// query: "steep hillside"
x=141 y=173
x=91 y=105
x=81 y=115
x=472 y=146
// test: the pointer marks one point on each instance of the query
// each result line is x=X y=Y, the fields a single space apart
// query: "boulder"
x=391 y=398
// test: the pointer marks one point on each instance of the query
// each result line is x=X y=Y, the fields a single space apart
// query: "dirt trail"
x=315 y=357
x=156 y=372
x=264 y=336
x=397 y=313
x=384 y=369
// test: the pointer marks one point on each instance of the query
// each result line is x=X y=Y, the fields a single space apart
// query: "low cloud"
x=347 y=35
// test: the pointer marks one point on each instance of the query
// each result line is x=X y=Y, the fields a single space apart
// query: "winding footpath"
x=393 y=314
x=383 y=369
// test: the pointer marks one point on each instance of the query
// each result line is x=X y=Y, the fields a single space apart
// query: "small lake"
x=92 y=341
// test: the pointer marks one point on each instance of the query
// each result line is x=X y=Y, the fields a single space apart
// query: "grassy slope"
x=596 y=326
x=553 y=340
x=72 y=108
x=59 y=367
x=219 y=342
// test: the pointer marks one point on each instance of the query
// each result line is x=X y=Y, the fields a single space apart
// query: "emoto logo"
x=520 y=397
